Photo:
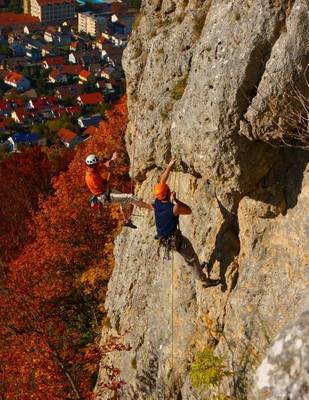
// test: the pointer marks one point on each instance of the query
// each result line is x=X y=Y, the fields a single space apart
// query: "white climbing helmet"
x=92 y=159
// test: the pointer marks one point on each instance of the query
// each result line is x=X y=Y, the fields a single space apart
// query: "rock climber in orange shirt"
x=97 y=179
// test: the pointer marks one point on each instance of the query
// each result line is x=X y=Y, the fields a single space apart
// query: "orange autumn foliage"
x=52 y=297
x=23 y=177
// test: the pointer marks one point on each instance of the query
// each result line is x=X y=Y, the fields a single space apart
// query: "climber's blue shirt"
x=166 y=221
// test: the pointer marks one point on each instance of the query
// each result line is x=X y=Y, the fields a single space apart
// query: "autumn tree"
x=51 y=301
x=23 y=178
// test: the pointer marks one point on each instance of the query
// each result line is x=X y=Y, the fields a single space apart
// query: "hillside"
x=222 y=86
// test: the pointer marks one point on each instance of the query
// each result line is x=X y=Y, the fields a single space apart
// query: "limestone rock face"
x=200 y=74
x=284 y=373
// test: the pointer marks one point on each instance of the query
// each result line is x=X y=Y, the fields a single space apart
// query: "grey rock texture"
x=199 y=75
x=284 y=373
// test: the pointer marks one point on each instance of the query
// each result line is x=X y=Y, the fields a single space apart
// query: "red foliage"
x=50 y=298
x=23 y=177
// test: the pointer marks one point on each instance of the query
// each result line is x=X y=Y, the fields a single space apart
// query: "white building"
x=91 y=23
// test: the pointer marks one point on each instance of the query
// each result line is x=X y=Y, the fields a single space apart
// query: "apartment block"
x=52 y=11
x=91 y=23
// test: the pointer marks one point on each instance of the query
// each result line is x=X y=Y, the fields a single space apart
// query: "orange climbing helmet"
x=161 y=191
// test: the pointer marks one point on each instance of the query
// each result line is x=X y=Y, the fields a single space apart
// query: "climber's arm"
x=179 y=208
x=166 y=173
x=108 y=164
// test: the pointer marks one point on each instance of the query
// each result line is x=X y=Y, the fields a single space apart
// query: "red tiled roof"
x=4 y=105
x=13 y=77
x=18 y=100
x=12 y=19
x=84 y=74
x=91 y=98
x=71 y=69
x=54 y=60
x=51 y=29
x=21 y=113
x=73 y=110
x=51 y=2
x=66 y=135
x=101 y=40
x=54 y=73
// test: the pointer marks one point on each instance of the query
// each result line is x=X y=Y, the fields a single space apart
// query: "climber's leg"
x=186 y=249
x=128 y=198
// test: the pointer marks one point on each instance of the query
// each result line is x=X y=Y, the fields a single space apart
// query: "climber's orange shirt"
x=96 y=180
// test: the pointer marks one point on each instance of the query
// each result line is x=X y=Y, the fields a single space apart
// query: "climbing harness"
x=170 y=243
x=96 y=203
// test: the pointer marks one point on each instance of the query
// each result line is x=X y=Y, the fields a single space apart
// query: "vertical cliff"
x=207 y=83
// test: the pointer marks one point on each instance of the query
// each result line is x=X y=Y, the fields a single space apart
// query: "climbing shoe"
x=211 y=282
x=129 y=224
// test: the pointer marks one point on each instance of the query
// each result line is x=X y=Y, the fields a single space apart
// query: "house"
x=16 y=63
x=13 y=37
x=48 y=50
x=100 y=42
x=119 y=26
x=29 y=29
x=33 y=44
x=69 y=138
x=18 y=49
x=90 y=99
x=68 y=91
x=55 y=76
x=77 y=46
x=50 y=34
x=95 y=69
x=17 y=81
x=101 y=85
x=93 y=120
x=108 y=90
x=119 y=40
x=16 y=102
x=41 y=103
x=20 y=115
x=85 y=58
x=25 y=139
x=73 y=110
x=106 y=72
x=114 y=54
x=85 y=76
x=72 y=70
x=50 y=62
x=57 y=36
x=34 y=54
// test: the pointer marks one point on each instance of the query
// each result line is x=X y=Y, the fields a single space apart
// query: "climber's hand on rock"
x=172 y=163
